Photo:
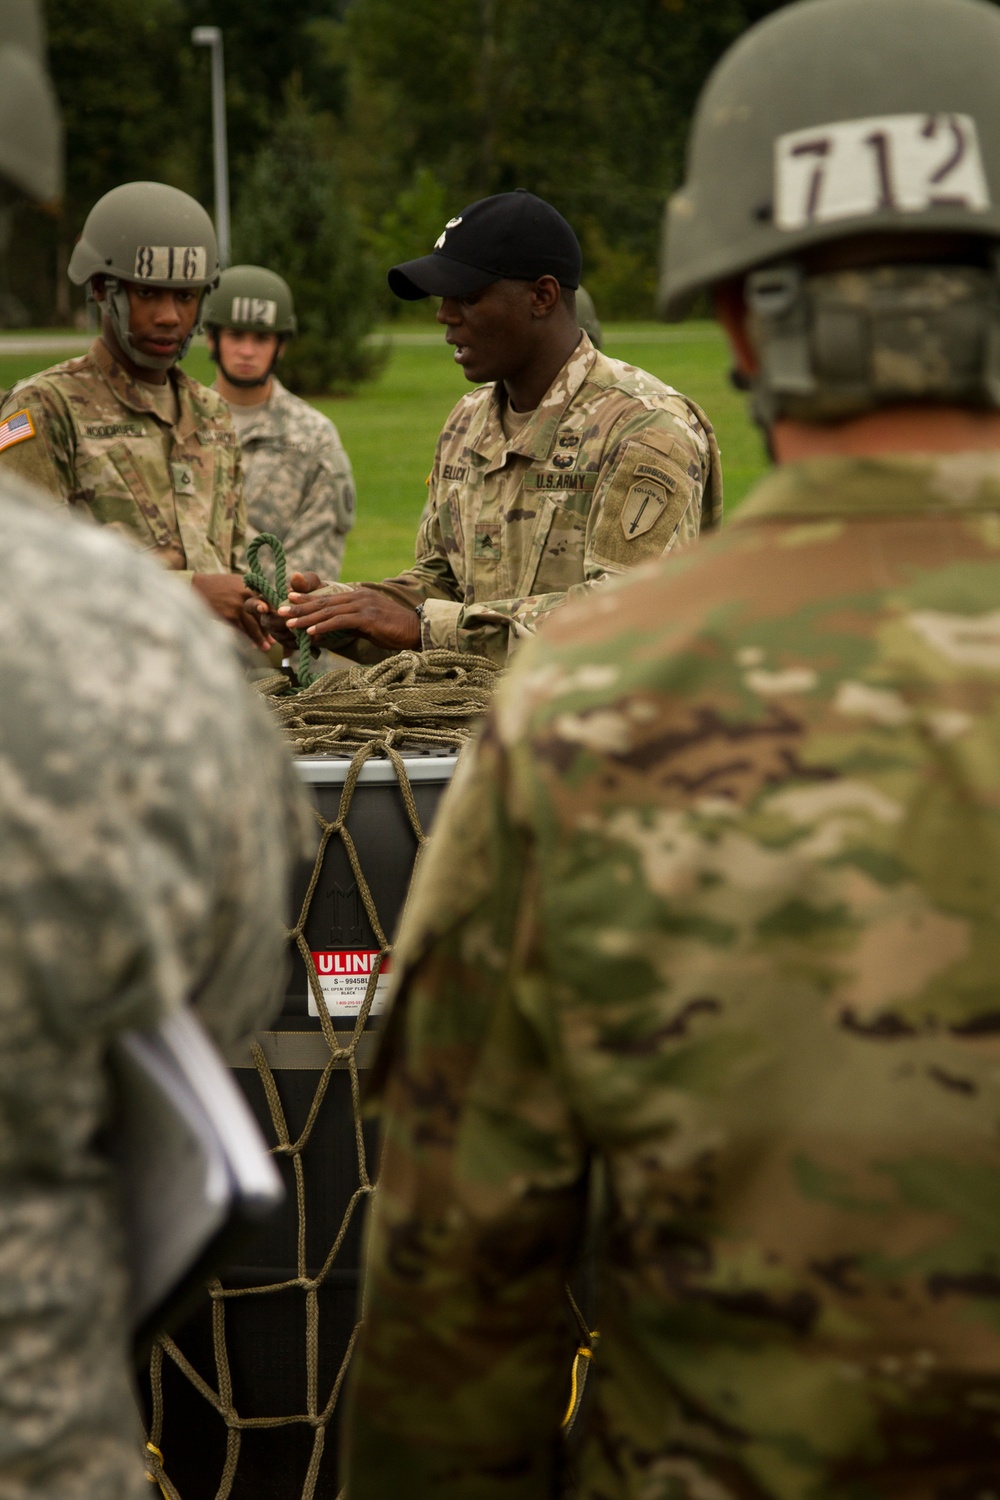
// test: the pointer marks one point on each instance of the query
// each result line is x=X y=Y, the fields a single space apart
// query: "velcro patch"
x=644 y=505
x=17 y=429
x=170 y=263
x=183 y=477
x=113 y=430
x=223 y=435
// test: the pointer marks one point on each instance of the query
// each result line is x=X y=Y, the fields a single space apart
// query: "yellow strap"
x=152 y=1448
x=574 y=1387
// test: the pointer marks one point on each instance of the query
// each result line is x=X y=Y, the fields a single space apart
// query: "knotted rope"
x=276 y=594
x=415 y=698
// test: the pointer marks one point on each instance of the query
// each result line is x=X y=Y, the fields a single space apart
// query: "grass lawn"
x=390 y=426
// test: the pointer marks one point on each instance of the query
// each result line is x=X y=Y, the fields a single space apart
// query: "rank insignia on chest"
x=644 y=504
x=564 y=460
x=183 y=476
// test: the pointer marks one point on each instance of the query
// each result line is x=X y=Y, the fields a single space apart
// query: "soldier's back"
x=764 y=803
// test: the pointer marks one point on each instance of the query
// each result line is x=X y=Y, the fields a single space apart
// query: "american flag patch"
x=16 y=429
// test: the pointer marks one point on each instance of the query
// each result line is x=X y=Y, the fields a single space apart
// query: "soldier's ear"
x=546 y=296
x=97 y=288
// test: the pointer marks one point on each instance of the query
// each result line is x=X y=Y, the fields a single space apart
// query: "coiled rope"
x=416 y=698
x=276 y=593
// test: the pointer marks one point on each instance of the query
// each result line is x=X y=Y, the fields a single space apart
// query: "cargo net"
x=423 y=701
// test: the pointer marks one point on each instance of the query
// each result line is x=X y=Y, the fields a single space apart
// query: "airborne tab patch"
x=170 y=263
x=16 y=429
x=644 y=505
x=649 y=471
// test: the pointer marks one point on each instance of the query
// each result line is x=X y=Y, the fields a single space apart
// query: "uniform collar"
x=486 y=438
x=265 y=421
x=886 y=485
x=134 y=395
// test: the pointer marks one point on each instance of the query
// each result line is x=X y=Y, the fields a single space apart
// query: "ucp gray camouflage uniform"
x=612 y=469
x=298 y=481
x=148 y=819
x=92 y=438
x=714 y=905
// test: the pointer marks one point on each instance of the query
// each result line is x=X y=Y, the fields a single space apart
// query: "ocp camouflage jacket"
x=713 y=907
x=97 y=444
x=612 y=469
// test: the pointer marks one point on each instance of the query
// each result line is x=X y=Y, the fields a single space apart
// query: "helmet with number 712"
x=833 y=119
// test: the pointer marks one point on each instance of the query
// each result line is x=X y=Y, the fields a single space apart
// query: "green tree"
x=291 y=216
x=586 y=103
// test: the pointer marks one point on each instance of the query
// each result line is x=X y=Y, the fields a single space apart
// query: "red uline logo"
x=350 y=961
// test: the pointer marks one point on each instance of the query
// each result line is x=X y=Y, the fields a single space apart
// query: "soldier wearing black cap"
x=563 y=468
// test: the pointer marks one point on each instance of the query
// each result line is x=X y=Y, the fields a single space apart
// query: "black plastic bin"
x=266 y=1333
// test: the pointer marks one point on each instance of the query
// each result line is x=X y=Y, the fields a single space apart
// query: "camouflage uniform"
x=713 y=908
x=148 y=820
x=612 y=469
x=99 y=446
x=298 y=480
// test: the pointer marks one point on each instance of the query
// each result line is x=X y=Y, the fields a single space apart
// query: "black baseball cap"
x=511 y=235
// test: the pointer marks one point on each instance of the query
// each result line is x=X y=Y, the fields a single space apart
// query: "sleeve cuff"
x=439 y=625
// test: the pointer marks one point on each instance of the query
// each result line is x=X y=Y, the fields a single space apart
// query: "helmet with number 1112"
x=846 y=123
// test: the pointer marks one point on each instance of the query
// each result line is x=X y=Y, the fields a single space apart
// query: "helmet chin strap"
x=238 y=381
x=117 y=304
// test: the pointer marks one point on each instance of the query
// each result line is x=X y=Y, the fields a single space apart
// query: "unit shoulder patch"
x=644 y=505
x=16 y=429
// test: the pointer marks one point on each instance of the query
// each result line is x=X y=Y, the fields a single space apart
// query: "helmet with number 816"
x=835 y=118
x=151 y=235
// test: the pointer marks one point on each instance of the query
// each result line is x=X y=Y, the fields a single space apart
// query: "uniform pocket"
x=124 y=498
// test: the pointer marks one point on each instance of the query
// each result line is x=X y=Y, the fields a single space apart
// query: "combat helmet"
x=250 y=299
x=835 y=120
x=30 y=127
x=151 y=234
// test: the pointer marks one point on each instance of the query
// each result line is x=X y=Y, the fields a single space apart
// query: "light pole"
x=211 y=36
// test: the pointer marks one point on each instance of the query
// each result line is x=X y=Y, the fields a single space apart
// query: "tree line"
x=357 y=127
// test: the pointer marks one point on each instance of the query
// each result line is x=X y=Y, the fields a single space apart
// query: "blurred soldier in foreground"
x=708 y=932
x=565 y=469
x=298 y=478
x=147 y=820
x=121 y=434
